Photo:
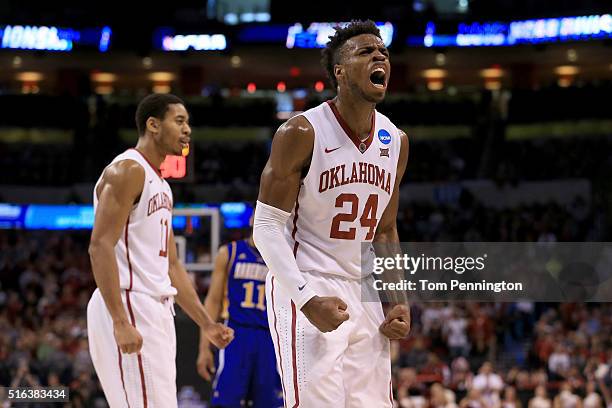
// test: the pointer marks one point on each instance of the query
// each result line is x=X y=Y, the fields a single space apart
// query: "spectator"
x=474 y=399
x=540 y=399
x=440 y=397
x=455 y=330
x=489 y=384
x=592 y=398
x=566 y=398
x=510 y=398
x=559 y=362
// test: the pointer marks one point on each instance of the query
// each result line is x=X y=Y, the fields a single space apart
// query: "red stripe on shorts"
x=293 y=357
x=129 y=306
x=293 y=312
x=127 y=252
x=280 y=356
x=121 y=372
x=140 y=366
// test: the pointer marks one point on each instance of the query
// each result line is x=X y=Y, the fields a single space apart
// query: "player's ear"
x=153 y=125
x=338 y=71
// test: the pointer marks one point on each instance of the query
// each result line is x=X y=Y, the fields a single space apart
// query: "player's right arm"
x=291 y=151
x=213 y=304
x=119 y=189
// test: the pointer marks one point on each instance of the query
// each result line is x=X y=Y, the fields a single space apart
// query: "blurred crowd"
x=470 y=221
x=506 y=355
x=45 y=284
x=476 y=355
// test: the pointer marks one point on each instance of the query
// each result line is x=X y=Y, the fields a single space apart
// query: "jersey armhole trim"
x=314 y=142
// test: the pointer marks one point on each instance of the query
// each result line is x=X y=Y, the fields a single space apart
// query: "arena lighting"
x=105 y=39
x=566 y=70
x=29 y=76
x=492 y=78
x=295 y=72
x=161 y=76
x=566 y=74
x=197 y=42
x=317 y=34
x=161 y=81
x=29 y=82
x=51 y=38
x=546 y=30
x=251 y=87
x=236 y=61
x=37 y=38
x=103 y=77
x=147 y=62
x=492 y=73
x=319 y=86
x=281 y=87
x=434 y=73
x=435 y=78
x=103 y=82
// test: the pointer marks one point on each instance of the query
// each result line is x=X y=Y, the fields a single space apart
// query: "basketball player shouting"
x=331 y=183
x=130 y=319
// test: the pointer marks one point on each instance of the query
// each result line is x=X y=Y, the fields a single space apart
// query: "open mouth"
x=378 y=78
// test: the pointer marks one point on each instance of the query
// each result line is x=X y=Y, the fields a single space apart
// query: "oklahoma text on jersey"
x=368 y=173
x=157 y=202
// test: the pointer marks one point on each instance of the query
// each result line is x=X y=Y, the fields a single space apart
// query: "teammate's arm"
x=188 y=300
x=386 y=239
x=120 y=187
x=213 y=304
x=280 y=181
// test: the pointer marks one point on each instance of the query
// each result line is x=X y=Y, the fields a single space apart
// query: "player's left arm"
x=188 y=300
x=387 y=243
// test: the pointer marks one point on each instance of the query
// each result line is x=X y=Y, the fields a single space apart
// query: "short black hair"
x=330 y=53
x=154 y=105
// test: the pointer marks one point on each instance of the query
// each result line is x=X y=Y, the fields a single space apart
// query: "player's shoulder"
x=294 y=138
x=124 y=171
x=296 y=127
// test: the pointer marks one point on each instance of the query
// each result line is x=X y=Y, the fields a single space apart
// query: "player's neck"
x=149 y=150
x=357 y=114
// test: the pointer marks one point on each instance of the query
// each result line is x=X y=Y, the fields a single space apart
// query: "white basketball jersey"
x=343 y=196
x=142 y=250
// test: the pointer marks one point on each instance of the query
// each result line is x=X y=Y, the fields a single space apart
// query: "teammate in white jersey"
x=331 y=183
x=130 y=316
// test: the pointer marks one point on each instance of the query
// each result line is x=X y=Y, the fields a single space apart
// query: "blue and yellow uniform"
x=246 y=369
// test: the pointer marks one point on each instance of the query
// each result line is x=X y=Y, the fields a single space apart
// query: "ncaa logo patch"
x=384 y=136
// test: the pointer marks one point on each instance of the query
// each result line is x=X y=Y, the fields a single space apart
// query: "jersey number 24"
x=367 y=219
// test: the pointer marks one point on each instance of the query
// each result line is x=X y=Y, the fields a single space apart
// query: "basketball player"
x=331 y=183
x=130 y=319
x=246 y=372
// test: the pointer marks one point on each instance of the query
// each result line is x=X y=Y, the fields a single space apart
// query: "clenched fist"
x=219 y=334
x=397 y=323
x=127 y=337
x=326 y=313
